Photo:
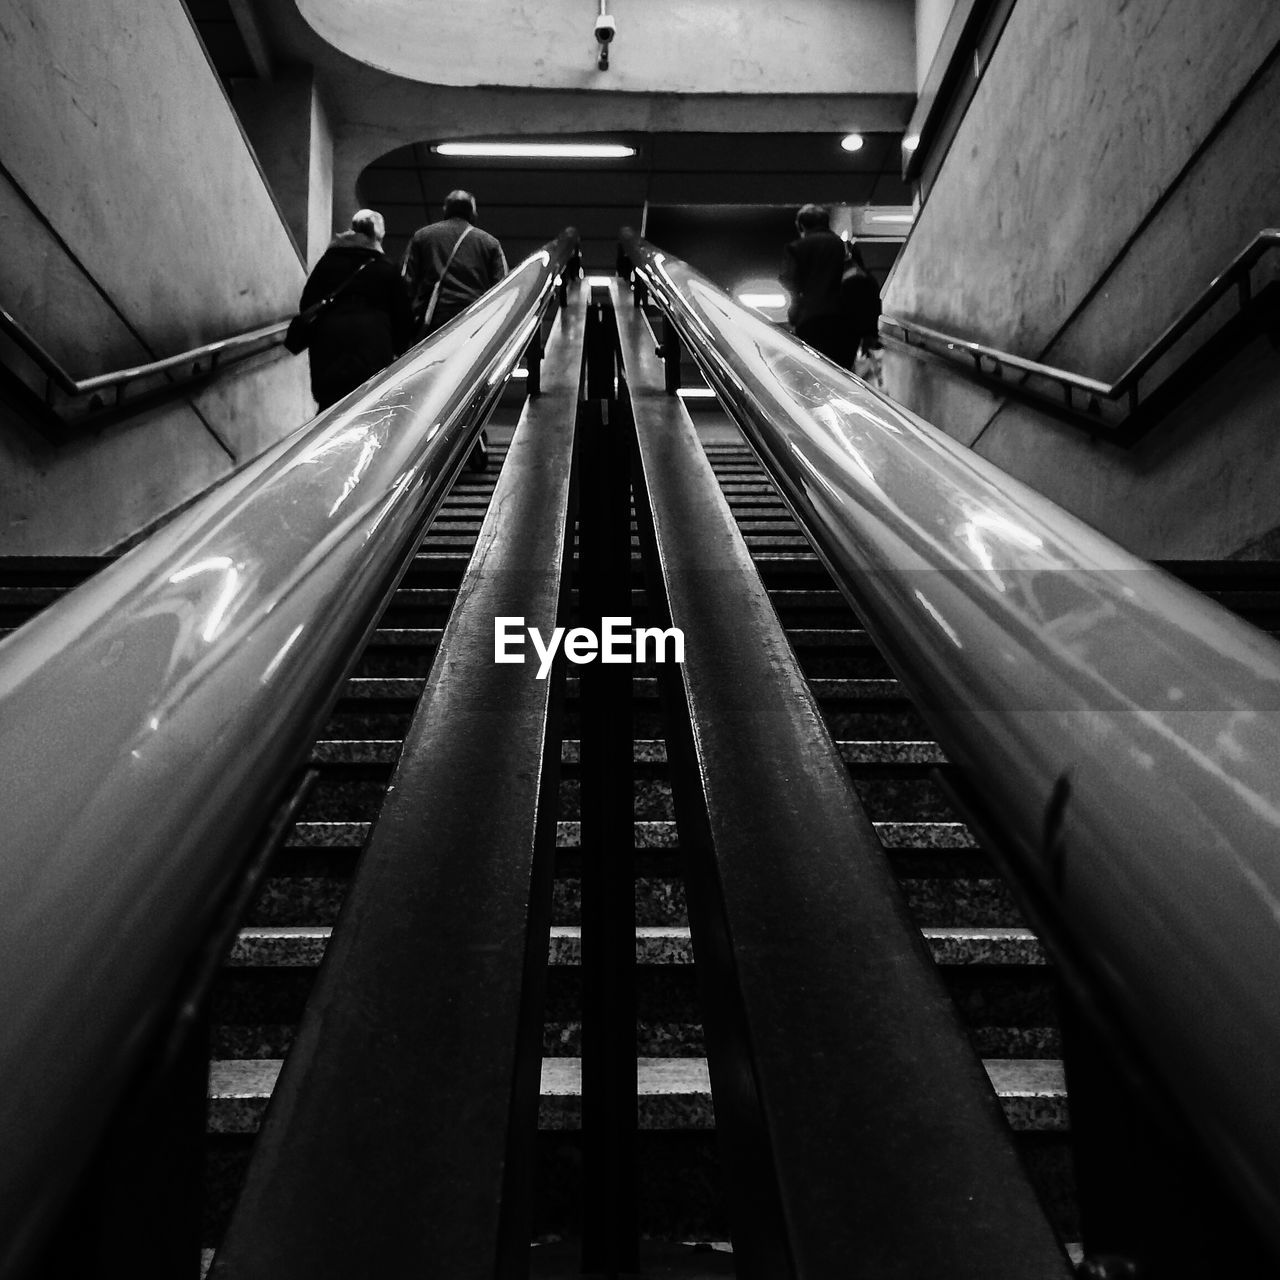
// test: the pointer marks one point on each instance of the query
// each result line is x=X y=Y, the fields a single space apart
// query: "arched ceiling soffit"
x=662 y=46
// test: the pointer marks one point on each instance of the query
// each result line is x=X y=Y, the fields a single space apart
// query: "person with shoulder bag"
x=811 y=274
x=860 y=305
x=447 y=266
x=354 y=313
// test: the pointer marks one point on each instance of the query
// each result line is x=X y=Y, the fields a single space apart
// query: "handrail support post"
x=533 y=363
x=670 y=356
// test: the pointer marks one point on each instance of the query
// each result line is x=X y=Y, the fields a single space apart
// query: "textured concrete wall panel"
x=136 y=224
x=1085 y=117
x=118 y=132
x=88 y=496
x=1115 y=159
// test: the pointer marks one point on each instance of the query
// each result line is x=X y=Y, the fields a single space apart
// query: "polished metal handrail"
x=147 y=721
x=1122 y=731
x=213 y=352
x=1125 y=389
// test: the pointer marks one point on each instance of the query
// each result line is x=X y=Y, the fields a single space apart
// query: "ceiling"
x=723 y=201
x=525 y=204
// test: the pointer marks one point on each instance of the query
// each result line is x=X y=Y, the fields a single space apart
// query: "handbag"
x=297 y=337
x=435 y=293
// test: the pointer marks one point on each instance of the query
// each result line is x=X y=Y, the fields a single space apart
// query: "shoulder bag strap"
x=368 y=262
x=323 y=304
x=435 y=293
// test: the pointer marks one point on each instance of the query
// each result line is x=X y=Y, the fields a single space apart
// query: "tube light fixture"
x=762 y=301
x=536 y=150
x=695 y=393
x=851 y=142
x=891 y=217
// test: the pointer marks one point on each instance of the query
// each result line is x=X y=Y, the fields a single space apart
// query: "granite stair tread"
x=645 y=751
x=672 y=1093
x=286 y=946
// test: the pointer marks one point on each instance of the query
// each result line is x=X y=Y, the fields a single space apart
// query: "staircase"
x=992 y=964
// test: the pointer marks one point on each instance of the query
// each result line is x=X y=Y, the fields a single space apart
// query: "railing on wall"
x=70 y=405
x=1115 y=734
x=153 y=721
x=1239 y=300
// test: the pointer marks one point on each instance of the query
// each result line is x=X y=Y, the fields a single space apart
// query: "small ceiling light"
x=598 y=281
x=763 y=301
x=536 y=150
x=852 y=142
x=891 y=217
x=695 y=393
x=911 y=142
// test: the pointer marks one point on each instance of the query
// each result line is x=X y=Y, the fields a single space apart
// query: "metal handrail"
x=211 y=351
x=148 y=721
x=1123 y=731
x=1125 y=387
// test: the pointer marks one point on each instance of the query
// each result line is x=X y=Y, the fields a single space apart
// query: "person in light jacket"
x=447 y=266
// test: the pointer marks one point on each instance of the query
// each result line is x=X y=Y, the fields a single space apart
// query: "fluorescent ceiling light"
x=536 y=150
x=695 y=393
x=911 y=142
x=519 y=375
x=852 y=142
x=762 y=300
x=598 y=281
x=891 y=217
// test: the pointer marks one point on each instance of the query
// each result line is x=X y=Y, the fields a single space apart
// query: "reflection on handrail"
x=150 y=719
x=1066 y=680
x=196 y=363
x=1080 y=395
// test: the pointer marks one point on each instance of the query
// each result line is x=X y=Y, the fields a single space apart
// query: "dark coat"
x=811 y=270
x=860 y=296
x=368 y=325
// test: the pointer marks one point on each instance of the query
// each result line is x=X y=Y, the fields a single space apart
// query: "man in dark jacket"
x=369 y=323
x=812 y=268
x=447 y=266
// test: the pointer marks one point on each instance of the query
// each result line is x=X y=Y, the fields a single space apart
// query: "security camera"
x=606 y=28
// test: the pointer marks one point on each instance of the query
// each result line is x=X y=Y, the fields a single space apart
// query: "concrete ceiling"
x=661 y=46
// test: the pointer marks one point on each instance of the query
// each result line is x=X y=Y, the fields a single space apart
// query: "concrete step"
x=651 y=835
x=672 y=1093
x=303 y=946
x=336 y=751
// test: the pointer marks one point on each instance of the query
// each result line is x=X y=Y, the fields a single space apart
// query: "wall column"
x=286 y=123
x=931 y=21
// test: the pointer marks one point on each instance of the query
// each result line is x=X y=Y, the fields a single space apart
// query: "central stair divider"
x=401 y=1131
x=609 y=1067
x=857 y=1128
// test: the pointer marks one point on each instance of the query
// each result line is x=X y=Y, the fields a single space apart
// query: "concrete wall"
x=712 y=46
x=1113 y=161
x=931 y=22
x=136 y=224
x=288 y=128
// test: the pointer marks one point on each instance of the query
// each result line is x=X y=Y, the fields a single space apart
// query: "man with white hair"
x=368 y=323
